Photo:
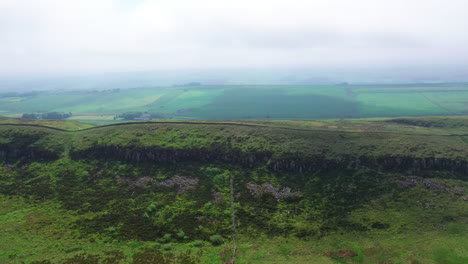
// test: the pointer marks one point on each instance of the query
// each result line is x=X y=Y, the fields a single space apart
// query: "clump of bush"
x=157 y=245
x=216 y=240
x=182 y=236
x=166 y=247
x=165 y=239
x=198 y=243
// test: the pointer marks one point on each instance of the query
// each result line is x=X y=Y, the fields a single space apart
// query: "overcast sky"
x=60 y=36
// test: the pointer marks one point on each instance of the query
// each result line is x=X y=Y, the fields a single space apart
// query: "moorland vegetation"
x=330 y=191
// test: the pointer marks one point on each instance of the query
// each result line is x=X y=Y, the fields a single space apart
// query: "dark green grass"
x=253 y=103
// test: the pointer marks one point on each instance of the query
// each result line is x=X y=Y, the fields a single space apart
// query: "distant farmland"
x=247 y=102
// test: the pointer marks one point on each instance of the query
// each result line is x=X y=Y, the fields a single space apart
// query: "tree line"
x=50 y=115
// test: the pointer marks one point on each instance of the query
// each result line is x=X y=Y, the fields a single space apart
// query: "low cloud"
x=131 y=35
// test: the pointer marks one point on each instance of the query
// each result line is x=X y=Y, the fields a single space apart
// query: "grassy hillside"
x=61 y=124
x=247 y=102
x=333 y=191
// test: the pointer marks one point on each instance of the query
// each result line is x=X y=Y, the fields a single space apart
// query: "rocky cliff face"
x=8 y=152
x=419 y=164
x=174 y=155
x=253 y=159
x=389 y=163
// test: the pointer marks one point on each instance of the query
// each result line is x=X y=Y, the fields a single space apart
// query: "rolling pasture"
x=247 y=102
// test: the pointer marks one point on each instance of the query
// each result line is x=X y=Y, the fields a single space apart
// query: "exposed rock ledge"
x=253 y=159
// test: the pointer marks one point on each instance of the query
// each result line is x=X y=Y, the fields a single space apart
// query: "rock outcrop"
x=292 y=163
x=8 y=152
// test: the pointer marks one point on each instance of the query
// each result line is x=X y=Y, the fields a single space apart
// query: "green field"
x=247 y=102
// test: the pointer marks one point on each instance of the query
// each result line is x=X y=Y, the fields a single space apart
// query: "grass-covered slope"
x=373 y=188
x=60 y=124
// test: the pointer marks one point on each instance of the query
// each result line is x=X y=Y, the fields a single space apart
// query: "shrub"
x=181 y=235
x=157 y=245
x=166 y=247
x=198 y=243
x=166 y=238
x=216 y=240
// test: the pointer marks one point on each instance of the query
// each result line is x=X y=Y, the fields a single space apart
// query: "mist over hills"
x=259 y=76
